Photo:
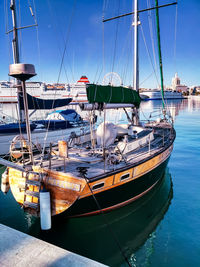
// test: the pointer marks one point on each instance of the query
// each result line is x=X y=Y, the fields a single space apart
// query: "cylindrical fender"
x=5 y=186
x=45 y=210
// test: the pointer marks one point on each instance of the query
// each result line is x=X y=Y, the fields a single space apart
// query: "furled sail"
x=38 y=103
x=112 y=94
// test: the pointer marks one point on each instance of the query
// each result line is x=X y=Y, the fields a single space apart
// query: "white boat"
x=8 y=91
x=77 y=91
x=38 y=136
x=59 y=123
x=155 y=94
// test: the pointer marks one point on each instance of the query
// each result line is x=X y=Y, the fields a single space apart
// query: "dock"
x=20 y=249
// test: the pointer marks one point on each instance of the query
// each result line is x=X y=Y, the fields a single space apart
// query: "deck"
x=93 y=160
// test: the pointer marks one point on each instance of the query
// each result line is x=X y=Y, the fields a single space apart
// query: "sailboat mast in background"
x=136 y=61
x=16 y=59
x=15 y=45
x=16 y=56
x=21 y=72
x=159 y=54
x=135 y=24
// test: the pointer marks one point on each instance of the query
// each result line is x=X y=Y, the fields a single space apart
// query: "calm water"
x=161 y=229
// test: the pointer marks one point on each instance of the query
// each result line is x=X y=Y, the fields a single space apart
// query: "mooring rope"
x=83 y=172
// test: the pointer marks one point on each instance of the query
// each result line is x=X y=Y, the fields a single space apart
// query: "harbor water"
x=160 y=229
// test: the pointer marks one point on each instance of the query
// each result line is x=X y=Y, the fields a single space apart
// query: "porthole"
x=125 y=176
x=98 y=186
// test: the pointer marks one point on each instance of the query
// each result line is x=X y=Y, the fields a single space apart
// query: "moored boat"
x=156 y=95
x=118 y=173
x=99 y=171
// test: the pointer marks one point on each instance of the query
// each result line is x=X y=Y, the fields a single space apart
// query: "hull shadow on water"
x=95 y=236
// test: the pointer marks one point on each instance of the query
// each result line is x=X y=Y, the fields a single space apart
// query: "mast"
x=159 y=53
x=15 y=45
x=21 y=72
x=15 y=48
x=136 y=22
x=24 y=72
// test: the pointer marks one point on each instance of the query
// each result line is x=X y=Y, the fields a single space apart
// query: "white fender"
x=45 y=210
x=5 y=186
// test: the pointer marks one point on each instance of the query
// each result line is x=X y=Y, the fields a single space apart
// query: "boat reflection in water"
x=174 y=106
x=95 y=236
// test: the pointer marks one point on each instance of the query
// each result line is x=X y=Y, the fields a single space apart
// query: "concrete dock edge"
x=19 y=249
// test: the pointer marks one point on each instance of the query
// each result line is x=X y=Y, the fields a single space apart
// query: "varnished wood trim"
x=117 y=182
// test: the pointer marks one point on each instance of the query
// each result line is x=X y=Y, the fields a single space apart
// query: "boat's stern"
x=26 y=188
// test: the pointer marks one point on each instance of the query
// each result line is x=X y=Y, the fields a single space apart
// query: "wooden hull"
x=118 y=196
x=78 y=196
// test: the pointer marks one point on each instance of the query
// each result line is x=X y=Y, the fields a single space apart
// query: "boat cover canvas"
x=38 y=103
x=15 y=128
x=112 y=94
x=67 y=115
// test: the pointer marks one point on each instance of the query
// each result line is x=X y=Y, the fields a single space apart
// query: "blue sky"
x=80 y=23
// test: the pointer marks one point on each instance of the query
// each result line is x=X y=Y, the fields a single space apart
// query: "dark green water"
x=161 y=229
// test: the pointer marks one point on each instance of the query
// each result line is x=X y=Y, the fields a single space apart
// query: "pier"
x=19 y=249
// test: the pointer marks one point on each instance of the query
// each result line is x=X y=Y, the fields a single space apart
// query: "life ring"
x=18 y=146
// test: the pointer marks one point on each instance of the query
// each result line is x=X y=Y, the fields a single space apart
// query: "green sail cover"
x=112 y=94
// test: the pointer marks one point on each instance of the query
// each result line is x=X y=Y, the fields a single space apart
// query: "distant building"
x=177 y=86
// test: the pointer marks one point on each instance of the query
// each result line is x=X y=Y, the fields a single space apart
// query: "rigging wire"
x=67 y=38
x=20 y=32
x=6 y=29
x=100 y=73
x=150 y=21
x=102 y=69
x=150 y=58
x=175 y=41
x=96 y=73
x=146 y=78
x=8 y=40
x=66 y=42
x=34 y=15
x=52 y=13
x=128 y=57
x=115 y=42
x=107 y=224
x=105 y=5
x=103 y=38
x=175 y=36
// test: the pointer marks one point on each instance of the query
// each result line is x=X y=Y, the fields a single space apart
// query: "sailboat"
x=58 y=128
x=97 y=172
